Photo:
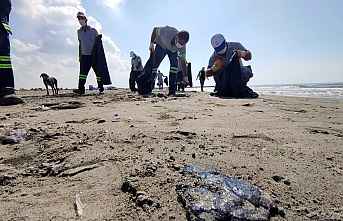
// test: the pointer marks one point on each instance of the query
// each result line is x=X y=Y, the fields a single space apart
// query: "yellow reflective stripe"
x=5 y=66
x=7 y=27
x=5 y=58
x=83 y=77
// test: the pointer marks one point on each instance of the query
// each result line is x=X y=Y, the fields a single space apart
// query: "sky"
x=292 y=41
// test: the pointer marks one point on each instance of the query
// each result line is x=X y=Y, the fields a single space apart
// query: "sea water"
x=320 y=90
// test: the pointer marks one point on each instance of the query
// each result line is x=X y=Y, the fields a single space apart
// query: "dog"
x=50 y=81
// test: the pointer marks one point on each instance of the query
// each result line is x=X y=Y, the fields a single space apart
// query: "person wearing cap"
x=136 y=70
x=166 y=41
x=87 y=36
x=7 y=92
x=230 y=77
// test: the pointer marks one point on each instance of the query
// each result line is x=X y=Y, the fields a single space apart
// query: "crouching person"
x=225 y=66
x=136 y=70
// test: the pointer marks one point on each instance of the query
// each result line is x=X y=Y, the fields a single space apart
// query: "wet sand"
x=289 y=147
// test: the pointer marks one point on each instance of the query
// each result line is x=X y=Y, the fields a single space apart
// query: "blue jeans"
x=154 y=62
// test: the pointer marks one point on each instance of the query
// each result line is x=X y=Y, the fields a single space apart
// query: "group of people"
x=225 y=64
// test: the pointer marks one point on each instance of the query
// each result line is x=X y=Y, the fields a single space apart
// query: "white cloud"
x=113 y=4
x=46 y=41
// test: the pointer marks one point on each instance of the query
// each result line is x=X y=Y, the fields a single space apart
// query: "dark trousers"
x=202 y=82
x=86 y=63
x=229 y=82
x=157 y=58
x=133 y=79
x=6 y=71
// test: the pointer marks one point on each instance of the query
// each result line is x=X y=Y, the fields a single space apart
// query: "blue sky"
x=291 y=41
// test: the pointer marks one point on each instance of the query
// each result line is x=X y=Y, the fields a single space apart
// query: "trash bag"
x=146 y=80
x=166 y=80
x=99 y=61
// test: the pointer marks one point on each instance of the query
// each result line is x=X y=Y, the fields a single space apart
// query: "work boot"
x=101 y=90
x=79 y=91
x=10 y=99
x=6 y=91
x=171 y=94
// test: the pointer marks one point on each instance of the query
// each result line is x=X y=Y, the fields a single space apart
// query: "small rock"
x=130 y=185
x=287 y=182
x=101 y=121
x=193 y=155
x=6 y=180
x=277 y=178
x=144 y=201
x=8 y=140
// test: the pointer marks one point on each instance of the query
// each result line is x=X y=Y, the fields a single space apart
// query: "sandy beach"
x=289 y=147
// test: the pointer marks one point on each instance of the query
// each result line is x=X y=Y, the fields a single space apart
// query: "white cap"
x=219 y=43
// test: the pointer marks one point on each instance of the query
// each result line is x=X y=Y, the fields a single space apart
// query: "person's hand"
x=247 y=56
x=209 y=72
x=152 y=48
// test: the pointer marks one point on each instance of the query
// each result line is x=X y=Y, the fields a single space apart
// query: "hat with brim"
x=218 y=43
x=81 y=15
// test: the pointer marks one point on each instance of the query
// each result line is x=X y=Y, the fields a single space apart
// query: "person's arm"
x=152 y=40
x=183 y=63
x=198 y=75
x=79 y=51
x=78 y=38
x=242 y=52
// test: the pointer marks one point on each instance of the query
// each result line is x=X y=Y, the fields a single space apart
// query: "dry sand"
x=89 y=150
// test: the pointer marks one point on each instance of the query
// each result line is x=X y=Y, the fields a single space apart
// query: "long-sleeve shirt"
x=165 y=37
x=87 y=36
x=231 y=47
x=136 y=63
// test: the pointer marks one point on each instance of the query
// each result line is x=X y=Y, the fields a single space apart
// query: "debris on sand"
x=7 y=180
x=142 y=199
x=67 y=105
x=78 y=206
x=248 y=105
x=13 y=137
x=213 y=196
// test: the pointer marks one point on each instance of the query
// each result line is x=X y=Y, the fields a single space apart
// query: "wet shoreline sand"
x=89 y=144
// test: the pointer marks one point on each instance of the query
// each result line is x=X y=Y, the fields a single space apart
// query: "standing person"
x=7 y=96
x=160 y=80
x=87 y=37
x=201 y=76
x=226 y=66
x=136 y=70
x=165 y=41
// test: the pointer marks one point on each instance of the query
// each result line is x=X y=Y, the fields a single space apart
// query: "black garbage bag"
x=146 y=80
x=166 y=80
x=99 y=61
